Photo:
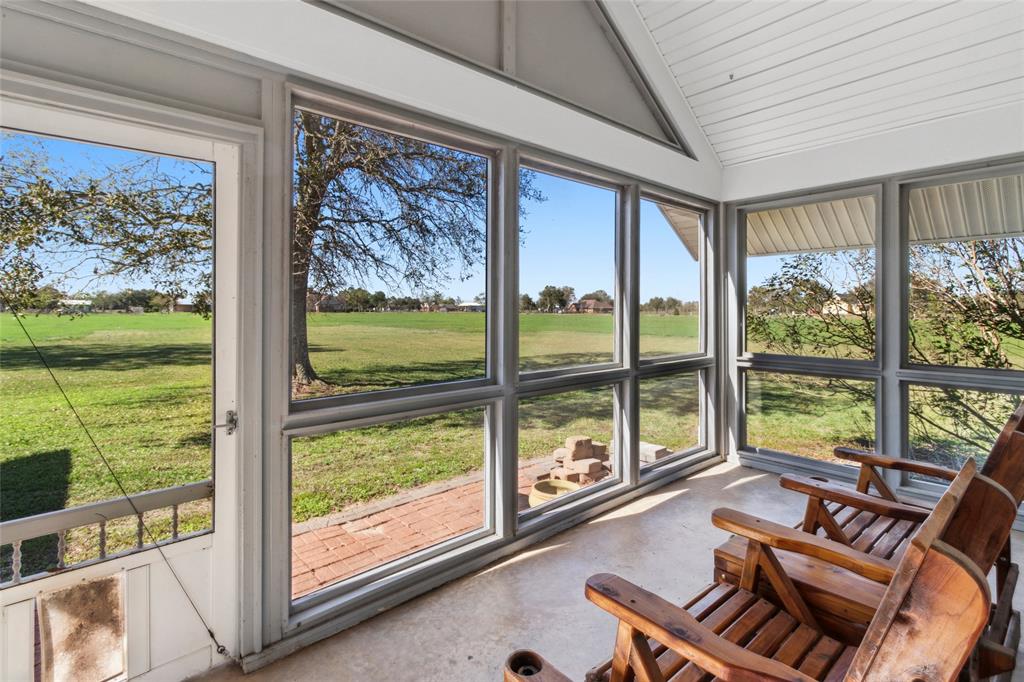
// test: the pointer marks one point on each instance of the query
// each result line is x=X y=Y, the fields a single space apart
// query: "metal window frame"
x=893 y=374
x=705 y=331
x=299 y=622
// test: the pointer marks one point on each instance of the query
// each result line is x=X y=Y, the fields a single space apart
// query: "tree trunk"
x=303 y=374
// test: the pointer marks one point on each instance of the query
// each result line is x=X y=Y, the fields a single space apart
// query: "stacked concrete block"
x=581 y=461
x=579 y=447
x=650 y=453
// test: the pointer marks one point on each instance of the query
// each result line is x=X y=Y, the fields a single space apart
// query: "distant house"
x=322 y=303
x=183 y=307
x=78 y=305
x=471 y=307
x=590 y=306
x=838 y=306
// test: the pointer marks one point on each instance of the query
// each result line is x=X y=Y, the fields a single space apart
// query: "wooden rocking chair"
x=873 y=521
x=929 y=618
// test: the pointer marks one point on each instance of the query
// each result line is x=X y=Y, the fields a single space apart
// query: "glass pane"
x=388 y=260
x=670 y=240
x=364 y=497
x=565 y=444
x=967 y=274
x=669 y=416
x=107 y=256
x=809 y=416
x=566 y=272
x=811 y=280
x=948 y=425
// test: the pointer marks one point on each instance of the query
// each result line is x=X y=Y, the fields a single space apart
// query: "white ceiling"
x=765 y=78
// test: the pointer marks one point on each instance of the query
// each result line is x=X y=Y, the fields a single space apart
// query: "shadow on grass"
x=381 y=376
x=34 y=484
x=90 y=356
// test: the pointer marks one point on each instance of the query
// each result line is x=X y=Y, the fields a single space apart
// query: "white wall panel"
x=76 y=52
x=306 y=40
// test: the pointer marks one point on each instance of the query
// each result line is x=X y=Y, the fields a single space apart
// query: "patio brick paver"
x=326 y=555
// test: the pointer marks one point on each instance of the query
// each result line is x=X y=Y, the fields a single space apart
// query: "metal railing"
x=59 y=522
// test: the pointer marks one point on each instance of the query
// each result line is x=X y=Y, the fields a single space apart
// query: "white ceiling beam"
x=626 y=18
x=308 y=41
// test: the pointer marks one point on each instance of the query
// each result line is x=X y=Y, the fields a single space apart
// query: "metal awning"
x=989 y=208
x=686 y=224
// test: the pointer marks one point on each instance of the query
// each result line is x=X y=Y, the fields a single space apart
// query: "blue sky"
x=568 y=239
x=73 y=157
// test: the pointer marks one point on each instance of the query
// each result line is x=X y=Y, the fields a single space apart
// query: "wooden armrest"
x=681 y=632
x=831 y=492
x=790 y=539
x=895 y=463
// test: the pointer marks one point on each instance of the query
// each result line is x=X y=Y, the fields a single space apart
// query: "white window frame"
x=890 y=369
x=340 y=605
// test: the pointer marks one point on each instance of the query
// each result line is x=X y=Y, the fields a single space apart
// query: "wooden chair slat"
x=700 y=606
x=739 y=632
x=772 y=634
x=845 y=515
x=885 y=548
x=856 y=526
x=796 y=645
x=820 y=658
x=718 y=620
x=878 y=528
x=837 y=673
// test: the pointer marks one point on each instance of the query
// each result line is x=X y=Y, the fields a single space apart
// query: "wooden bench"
x=926 y=624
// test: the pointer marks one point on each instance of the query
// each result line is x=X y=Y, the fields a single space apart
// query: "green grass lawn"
x=808 y=416
x=142 y=383
x=356 y=352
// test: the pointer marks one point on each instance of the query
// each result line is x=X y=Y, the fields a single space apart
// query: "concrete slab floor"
x=464 y=630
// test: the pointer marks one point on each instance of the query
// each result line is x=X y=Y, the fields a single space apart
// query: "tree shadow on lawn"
x=380 y=376
x=91 y=356
x=34 y=484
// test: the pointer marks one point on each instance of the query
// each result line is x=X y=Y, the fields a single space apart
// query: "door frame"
x=48 y=107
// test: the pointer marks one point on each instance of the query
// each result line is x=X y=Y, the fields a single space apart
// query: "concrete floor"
x=464 y=630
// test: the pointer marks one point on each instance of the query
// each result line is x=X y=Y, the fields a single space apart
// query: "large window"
x=947 y=425
x=364 y=497
x=566 y=272
x=670 y=410
x=420 y=427
x=565 y=444
x=105 y=280
x=808 y=415
x=966 y=264
x=670 y=279
x=810 y=275
x=389 y=243
x=947 y=363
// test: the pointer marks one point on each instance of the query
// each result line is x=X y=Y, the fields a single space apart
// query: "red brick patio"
x=326 y=555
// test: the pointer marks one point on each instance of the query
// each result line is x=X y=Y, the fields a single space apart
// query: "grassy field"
x=808 y=416
x=142 y=384
x=357 y=352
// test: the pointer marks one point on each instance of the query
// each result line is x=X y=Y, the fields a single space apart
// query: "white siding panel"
x=994 y=69
x=777 y=77
x=980 y=99
x=948 y=67
x=872 y=58
x=839 y=23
